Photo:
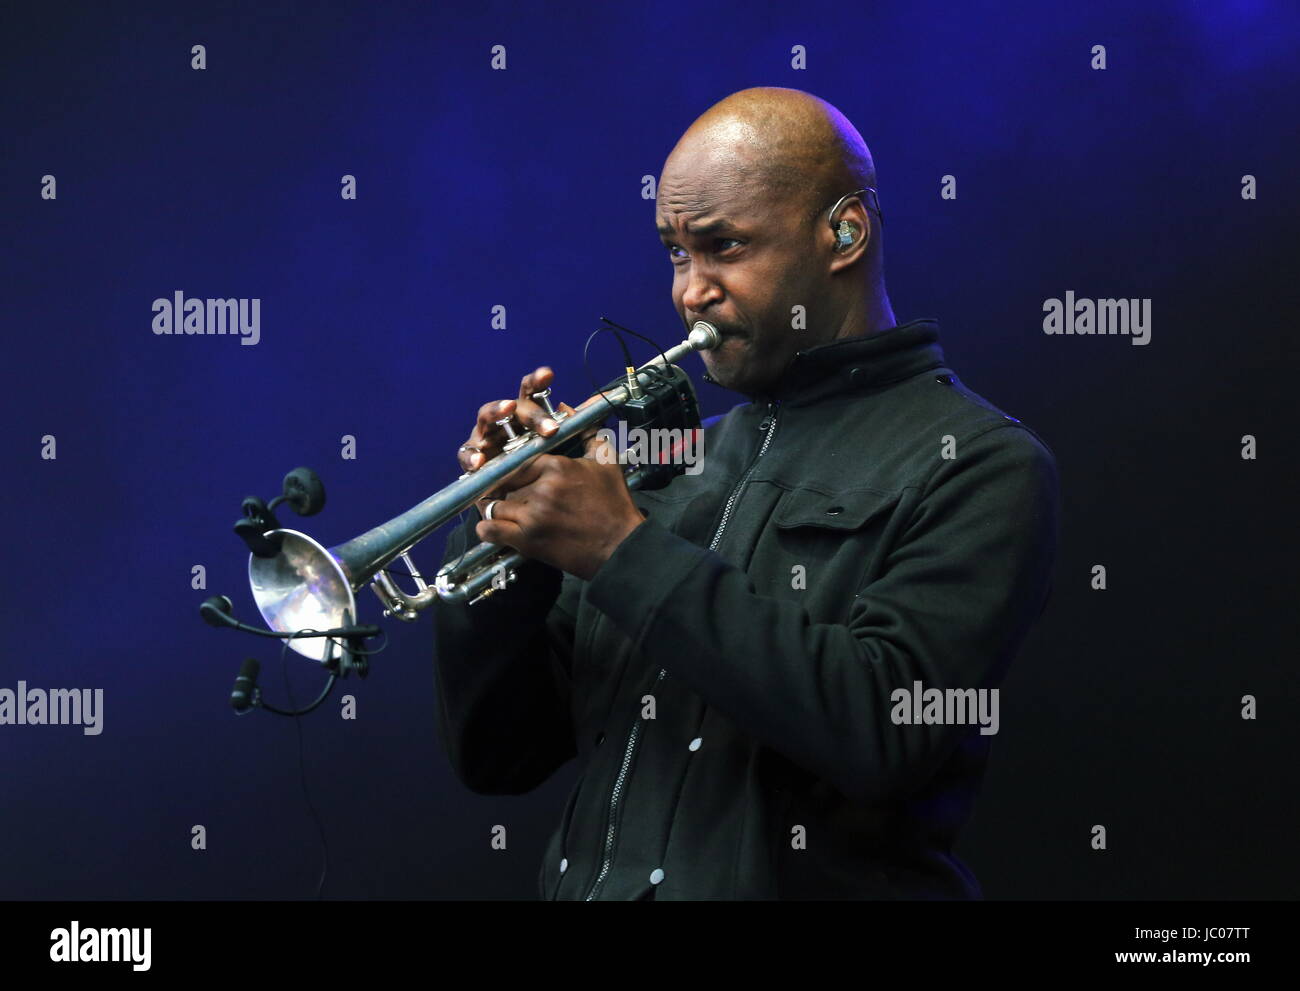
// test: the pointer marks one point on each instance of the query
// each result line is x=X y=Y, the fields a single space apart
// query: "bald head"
x=794 y=145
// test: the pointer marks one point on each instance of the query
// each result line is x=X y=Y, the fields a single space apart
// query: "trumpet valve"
x=544 y=397
x=514 y=439
x=517 y=442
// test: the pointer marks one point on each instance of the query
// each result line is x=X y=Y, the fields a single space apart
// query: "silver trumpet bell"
x=307 y=586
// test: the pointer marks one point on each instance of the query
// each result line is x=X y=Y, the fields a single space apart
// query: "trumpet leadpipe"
x=366 y=554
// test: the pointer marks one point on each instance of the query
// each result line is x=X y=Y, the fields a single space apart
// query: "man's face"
x=741 y=262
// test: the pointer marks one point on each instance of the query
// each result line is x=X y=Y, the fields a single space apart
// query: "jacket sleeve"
x=501 y=668
x=966 y=579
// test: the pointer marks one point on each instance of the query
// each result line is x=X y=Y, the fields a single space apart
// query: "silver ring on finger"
x=489 y=508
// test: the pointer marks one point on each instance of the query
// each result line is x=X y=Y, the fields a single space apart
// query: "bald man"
x=779 y=675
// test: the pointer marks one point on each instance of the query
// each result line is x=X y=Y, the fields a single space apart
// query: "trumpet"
x=307 y=586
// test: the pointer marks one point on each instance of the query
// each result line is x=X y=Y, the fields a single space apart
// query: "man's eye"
x=720 y=244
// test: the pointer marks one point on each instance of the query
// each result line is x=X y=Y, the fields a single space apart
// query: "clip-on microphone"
x=305 y=494
x=216 y=611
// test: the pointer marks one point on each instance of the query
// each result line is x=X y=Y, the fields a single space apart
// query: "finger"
x=529 y=472
x=489 y=413
x=503 y=528
x=475 y=453
x=490 y=421
x=486 y=439
x=536 y=381
x=469 y=456
x=590 y=431
x=516 y=483
x=481 y=503
x=533 y=416
x=531 y=413
x=494 y=500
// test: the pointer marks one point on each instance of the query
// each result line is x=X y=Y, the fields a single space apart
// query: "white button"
x=695 y=744
x=564 y=865
x=656 y=875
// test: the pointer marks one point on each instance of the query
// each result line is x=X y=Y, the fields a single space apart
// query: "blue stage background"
x=523 y=188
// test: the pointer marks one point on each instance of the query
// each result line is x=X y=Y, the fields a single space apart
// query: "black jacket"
x=731 y=714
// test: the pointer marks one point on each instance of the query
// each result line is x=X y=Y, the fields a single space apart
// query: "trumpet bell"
x=302 y=587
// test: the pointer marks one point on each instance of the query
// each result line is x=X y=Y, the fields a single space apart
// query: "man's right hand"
x=487 y=439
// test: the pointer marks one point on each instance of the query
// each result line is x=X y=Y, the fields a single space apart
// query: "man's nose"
x=701 y=290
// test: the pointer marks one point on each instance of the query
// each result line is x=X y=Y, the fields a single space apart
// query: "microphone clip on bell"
x=253 y=528
x=302 y=490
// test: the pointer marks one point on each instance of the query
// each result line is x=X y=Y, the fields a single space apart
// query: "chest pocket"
x=836 y=536
x=840 y=510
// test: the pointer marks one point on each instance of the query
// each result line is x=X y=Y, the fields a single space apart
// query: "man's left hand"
x=570 y=513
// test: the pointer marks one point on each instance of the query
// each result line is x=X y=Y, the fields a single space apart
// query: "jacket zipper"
x=768 y=426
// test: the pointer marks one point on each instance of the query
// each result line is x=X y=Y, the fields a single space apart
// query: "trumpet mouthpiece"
x=704 y=336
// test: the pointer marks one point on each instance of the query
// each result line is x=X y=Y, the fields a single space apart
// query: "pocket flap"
x=845 y=509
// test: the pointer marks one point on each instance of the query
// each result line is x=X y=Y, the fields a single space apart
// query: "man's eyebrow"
x=700 y=230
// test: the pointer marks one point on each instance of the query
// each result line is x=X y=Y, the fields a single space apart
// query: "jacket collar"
x=858 y=364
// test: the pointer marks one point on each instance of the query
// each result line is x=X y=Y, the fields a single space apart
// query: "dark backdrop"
x=522 y=188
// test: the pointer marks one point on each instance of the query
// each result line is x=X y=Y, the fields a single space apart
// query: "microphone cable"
x=302 y=761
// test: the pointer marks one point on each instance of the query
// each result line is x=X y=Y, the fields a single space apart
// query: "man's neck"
x=869 y=315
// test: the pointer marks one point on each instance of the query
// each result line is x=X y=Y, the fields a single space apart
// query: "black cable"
x=652 y=343
x=615 y=329
x=622 y=344
x=263 y=704
x=586 y=363
x=302 y=766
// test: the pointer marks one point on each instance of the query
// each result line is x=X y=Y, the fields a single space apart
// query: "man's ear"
x=850 y=234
